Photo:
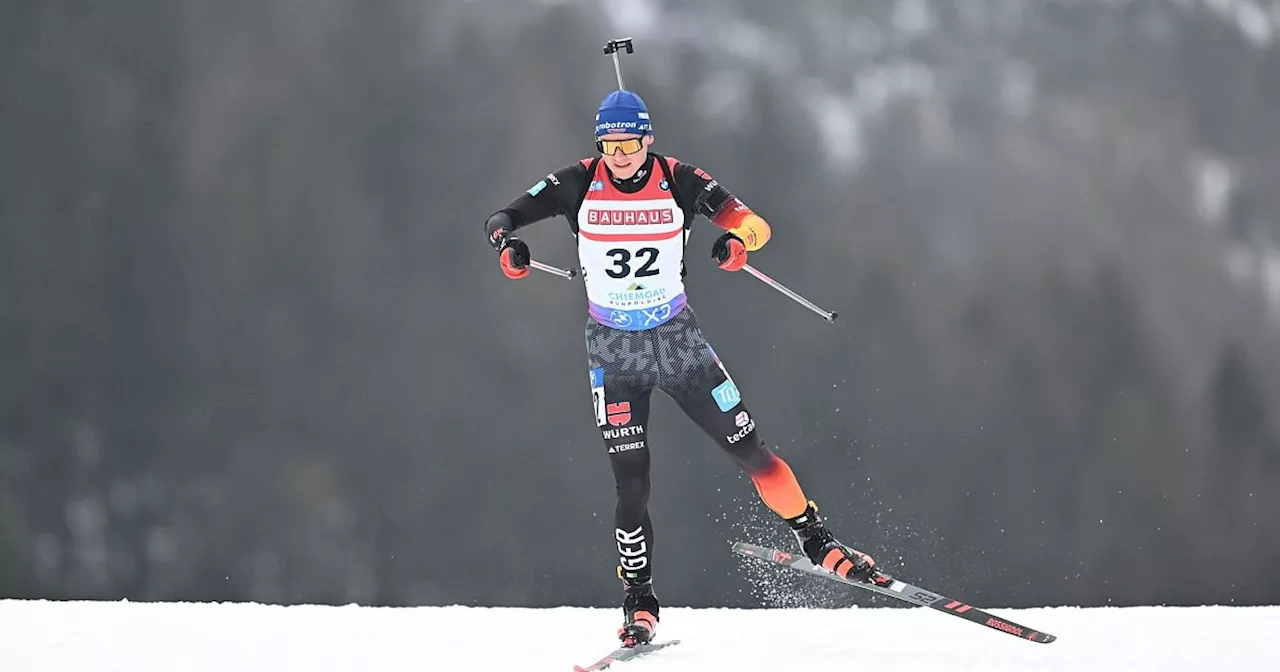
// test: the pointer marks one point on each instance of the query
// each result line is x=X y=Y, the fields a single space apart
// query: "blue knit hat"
x=622 y=112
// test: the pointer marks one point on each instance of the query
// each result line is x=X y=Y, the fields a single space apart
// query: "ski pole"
x=827 y=315
x=612 y=47
x=565 y=273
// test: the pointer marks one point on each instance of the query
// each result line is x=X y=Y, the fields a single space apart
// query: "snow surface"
x=42 y=635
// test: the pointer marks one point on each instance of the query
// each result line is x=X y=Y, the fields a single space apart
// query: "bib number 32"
x=622 y=259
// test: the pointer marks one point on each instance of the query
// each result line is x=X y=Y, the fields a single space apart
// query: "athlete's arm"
x=718 y=204
x=553 y=195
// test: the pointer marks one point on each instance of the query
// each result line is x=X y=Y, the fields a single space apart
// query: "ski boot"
x=640 y=612
x=822 y=548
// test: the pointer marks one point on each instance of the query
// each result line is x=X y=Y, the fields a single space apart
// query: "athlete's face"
x=621 y=164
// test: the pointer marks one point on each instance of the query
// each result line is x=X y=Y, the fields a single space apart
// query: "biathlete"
x=630 y=211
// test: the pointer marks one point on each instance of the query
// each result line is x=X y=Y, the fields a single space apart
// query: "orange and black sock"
x=779 y=489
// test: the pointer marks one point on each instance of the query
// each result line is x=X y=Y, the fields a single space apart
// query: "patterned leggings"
x=626 y=366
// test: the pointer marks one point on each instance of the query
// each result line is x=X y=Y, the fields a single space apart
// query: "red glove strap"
x=737 y=256
x=508 y=268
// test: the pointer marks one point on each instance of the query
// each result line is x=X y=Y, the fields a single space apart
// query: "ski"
x=624 y=653
x=884 y=584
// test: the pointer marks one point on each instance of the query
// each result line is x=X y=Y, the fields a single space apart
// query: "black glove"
x=513 y=253
x=514 y=258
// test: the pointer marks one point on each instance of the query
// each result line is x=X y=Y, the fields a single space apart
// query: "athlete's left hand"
x=729 y=252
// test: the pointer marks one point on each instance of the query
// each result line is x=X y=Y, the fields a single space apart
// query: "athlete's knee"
x=634 y=492
x=631 y=472
x=752 y=454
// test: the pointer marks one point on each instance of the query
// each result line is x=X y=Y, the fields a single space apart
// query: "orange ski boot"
x=640 y=614
x=825 y=551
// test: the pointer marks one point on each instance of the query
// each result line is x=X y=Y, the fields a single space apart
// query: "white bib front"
x=631 y=250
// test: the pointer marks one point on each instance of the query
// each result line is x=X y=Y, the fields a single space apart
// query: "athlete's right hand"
x=514 y=258
x=513 y=253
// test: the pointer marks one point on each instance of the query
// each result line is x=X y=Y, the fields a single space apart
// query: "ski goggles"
x=628 y=146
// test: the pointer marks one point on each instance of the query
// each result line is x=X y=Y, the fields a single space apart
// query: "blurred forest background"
x=253 y=345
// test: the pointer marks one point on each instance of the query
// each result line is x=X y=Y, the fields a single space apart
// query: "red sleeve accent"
x=586 y=163
x=671 y=163
x=731 y=215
